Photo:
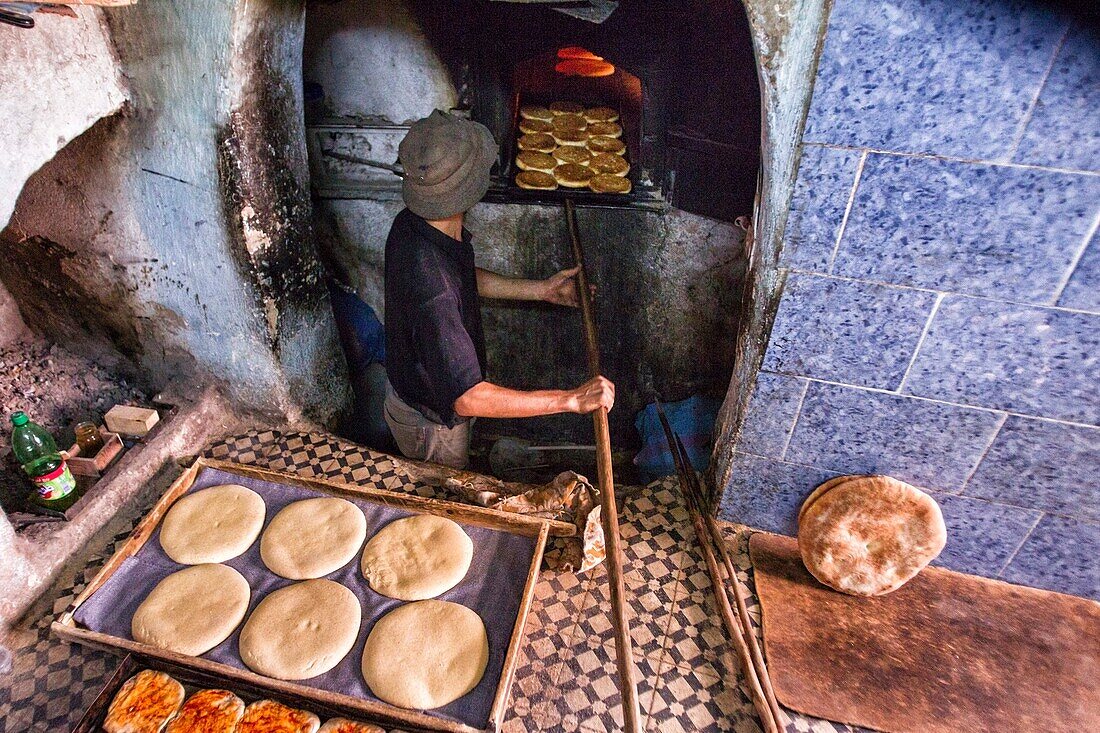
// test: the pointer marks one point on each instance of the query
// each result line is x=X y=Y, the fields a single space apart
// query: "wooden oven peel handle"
x=624 y=654
x=737 y=625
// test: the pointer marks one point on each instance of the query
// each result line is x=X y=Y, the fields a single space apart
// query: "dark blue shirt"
x=435 y=347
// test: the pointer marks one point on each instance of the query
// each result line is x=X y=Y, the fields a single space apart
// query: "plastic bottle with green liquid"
x=55 y=487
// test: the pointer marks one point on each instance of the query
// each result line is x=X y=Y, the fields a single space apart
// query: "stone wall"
x=176 y=238
x=939 y=318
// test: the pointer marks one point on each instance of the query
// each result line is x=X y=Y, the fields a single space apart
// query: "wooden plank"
x=624 y=653
x=482 y=516
x=512 y=656
x=67 y=628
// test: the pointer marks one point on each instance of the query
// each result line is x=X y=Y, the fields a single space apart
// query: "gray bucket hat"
x=446 y=161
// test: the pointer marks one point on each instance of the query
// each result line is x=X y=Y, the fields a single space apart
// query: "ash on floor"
x=57 y=389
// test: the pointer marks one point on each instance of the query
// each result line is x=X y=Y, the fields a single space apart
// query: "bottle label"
x=57 y=484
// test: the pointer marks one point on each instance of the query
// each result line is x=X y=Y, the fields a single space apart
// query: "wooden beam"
x=624 y=653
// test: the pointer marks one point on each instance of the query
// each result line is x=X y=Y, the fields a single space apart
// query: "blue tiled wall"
x=940 y=317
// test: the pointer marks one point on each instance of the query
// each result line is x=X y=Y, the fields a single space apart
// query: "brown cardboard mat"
x=946 y=652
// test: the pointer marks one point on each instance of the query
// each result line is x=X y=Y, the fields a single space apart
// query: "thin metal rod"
x=624 y=653
x=771 y=719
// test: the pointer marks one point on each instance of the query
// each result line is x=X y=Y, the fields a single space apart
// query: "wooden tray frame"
x=66 y=627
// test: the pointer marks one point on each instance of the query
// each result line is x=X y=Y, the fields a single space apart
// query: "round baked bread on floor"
x=268 y=716
x=417 y=557
x=569 y=122
x=605 y=129
x=570 y=137
x=616 y=165
x=540 y=142
x=605 y=144
x=565 y=108
x=536 y=181
x=424 y=655
x=208 y=711
x=313 y=537
x=609 y=183
x=343 y=725
x=144 y=702
x=535 y=112
x=529 y=160
x=192 y=610
x=573 y=175
x=601 y=114
x=301 y=631
x=212 y=525
x=869 y=535
x=573 y=154
x=535 y=126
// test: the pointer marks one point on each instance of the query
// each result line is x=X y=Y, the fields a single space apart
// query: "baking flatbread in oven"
x=536 y=181
x=417 y=557
x=268 y=716
x=573 y=175
x=208 y=711
x=212 y=525
x=144 y=703
x=868 y=535
x=540 y=142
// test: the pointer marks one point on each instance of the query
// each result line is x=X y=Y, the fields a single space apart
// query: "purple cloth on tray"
x=493 y=588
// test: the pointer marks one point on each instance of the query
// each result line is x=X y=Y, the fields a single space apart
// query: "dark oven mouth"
x=572 y=74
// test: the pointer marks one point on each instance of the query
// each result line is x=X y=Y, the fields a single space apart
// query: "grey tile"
x=851 y=430
x=1043 y=465
x=1058 y=133
x=845 y=331
x=1083 y=289
x=773 y=409
x=938 y=76
x=825 y=179
x=972 y=228
x=1060 y=554
x=981 y=535
x=766 y=494
x=1035 y=361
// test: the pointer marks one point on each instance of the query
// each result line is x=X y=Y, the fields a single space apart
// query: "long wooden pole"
x=771 y=718
x=624 y=653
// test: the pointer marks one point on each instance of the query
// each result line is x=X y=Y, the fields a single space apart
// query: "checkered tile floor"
x=566 y=678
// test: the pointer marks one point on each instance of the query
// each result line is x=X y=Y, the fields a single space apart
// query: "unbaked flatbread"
x=301 y=631
x=212 y=525
x=313 y=537
x=417 y=557
x=268 y=716
x=143 y=703
x=424 y=655
x=192 y=610
x=208 y=711
x=868 y=535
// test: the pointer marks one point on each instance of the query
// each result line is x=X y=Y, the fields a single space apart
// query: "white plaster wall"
x=373 y=60
x=56 y=80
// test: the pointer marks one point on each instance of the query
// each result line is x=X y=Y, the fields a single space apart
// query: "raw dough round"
x=301 y=631
x=212 y=525
x=417 y=557
x=313 y=537
x=192 y=610
x=869 y=535
x=424 y=655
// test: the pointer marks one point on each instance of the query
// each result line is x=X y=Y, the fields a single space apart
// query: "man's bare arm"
x=560 y=289
x=486 y=399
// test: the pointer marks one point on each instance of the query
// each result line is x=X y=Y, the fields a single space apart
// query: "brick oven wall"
x=940 y=275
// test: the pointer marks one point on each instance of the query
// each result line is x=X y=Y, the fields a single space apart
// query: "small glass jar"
x=89 y=439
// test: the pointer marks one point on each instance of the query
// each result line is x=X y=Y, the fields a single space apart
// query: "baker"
x=435 y=348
